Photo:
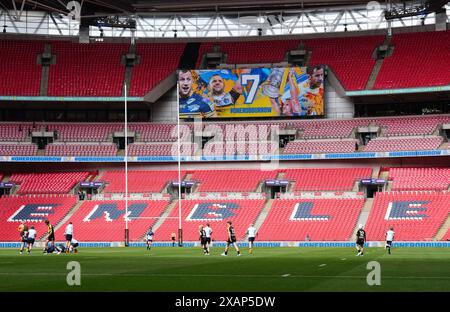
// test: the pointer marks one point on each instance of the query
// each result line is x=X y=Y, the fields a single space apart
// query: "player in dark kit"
x=203 y=240
x=360 y=240
x=50 y=235
x=23 y=230
x=231 y=239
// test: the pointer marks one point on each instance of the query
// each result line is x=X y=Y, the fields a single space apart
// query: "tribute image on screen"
x=255 y=92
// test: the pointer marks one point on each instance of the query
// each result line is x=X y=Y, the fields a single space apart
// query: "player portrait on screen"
x=305 y=98
x=191 y=104
x=217 y=97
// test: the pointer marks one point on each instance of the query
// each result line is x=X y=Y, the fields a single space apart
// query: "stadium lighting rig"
x=113 y=21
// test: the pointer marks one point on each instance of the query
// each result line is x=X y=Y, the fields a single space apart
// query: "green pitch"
x=169 y=269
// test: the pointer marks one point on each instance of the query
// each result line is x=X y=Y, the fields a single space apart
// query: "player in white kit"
x=389 y=238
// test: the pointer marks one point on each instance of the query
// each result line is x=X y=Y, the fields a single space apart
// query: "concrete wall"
x=165 y=109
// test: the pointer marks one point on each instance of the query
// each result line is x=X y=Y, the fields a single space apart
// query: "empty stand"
x=349 y=58
x=217 y=212
x=47 y=183
x=33 y=210
x=86 y=70
x=414 y=215
x=18 y=149
x=326 y=179
x=104 y=149
x=105 y=220
x=322 y=146
x=21 y=75
x=162 y=149
x=231 y=180
x=320 y=219
x=418 y=60
x=403 y=144
x=139 y=181
x=405 y=179
x=157 y=61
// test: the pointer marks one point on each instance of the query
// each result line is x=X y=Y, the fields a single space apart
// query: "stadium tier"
x=403 y=144
x=139 y=181
x=105 y=220
x=47 y=183
x=18 y=149
x=414 y=215
x=326 y=179
x=319 y=219
x=86 y=70
x=350 y=58
x=231 y=180
x=418 y=60
x=104 y=149
x=412 y=125
x=20 y=56
x=162 y=149
x=411 y=179
x=78 y=132
x=217 y=212
x=13 y=132
x=244 y=52
x=157 y=62
x=316 y=146
x=33 y=210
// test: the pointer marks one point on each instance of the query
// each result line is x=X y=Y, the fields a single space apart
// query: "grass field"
x=168 y=269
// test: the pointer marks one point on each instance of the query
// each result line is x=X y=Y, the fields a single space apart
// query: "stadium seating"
x=13 y=132
x=240 y=148
x=105 y=220
x=33 y=210
x=47 y=183
x=217 y=212
x=403 y=144
x=320 y=146
x=411 y=125
x=326 y=179
x=244 y=52
x=139 y=181
x=79 y=132
x=320 y=219
x=104 y=149
x=18 y=149
x=19 y=56
x=230 y=180
x=162 y=149
x=156 y=132
x=410 y=179
x=418 y=60
x=350 y=58
x=414 y=215
x=157 y=61
x=86 y=70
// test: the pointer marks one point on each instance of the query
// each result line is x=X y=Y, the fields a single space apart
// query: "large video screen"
x=255 y=92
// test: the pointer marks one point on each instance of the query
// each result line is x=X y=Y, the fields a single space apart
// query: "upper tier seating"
x=403 y=144
x=162 y=149
x=157 y=61
x=86 y=70
x=349 y=58
x=418 y=60
x=18 y=149
x=316 y=147
x=104 y=149
x=414 y=215
x=320 y=219
x=20 y=72
x=33 y=210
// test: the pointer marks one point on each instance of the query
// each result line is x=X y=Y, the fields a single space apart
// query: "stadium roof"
x=170 y=6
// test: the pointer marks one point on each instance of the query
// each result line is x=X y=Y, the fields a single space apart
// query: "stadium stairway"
x=376 y=172
x=363 y=216
x=263 y=214
x=443 y=230
x=377 y=66
x=66 y=217
x=163 y=217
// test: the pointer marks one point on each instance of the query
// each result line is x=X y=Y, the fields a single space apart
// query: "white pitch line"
x=344 y=259
x=322 y=265
x=286 y=275
x=221 y=275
